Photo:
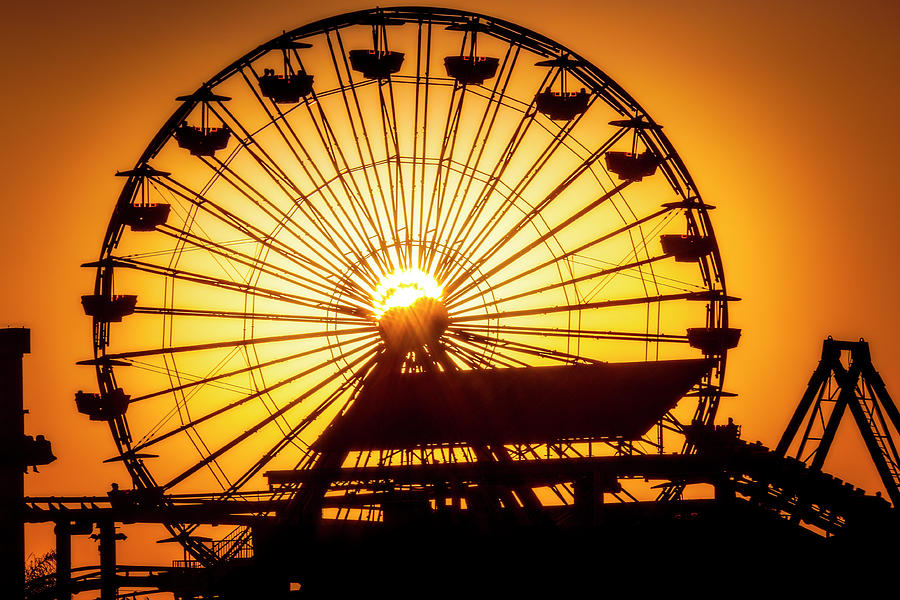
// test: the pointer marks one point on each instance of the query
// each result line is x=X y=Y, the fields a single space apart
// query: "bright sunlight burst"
x=403 y=288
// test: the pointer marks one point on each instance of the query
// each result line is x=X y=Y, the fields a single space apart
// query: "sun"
x=402 y=288
x=410 y=311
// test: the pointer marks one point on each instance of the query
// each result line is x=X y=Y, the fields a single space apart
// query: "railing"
x=237 y=545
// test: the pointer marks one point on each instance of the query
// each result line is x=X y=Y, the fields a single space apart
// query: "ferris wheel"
x=370 y=205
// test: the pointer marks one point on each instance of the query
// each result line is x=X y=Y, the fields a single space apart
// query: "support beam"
x=63 y=532
x=108 y=588
x=14 y=343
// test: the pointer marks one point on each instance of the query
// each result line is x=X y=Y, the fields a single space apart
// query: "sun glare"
x=403 y=288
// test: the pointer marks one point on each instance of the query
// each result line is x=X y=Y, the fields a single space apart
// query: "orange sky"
x=784 y=113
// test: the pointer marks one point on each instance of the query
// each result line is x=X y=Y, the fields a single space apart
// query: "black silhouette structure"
x=833 y=388
x=426 y=311
x=447 y=524
x=18 y=452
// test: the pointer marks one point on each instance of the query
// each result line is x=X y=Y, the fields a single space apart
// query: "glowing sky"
x=784 y=113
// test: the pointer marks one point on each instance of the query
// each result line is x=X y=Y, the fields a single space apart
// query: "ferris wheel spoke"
x=451 y=298
x=398 y=189
x=422 y=200
x=553 y=286
x=332 y=265
x=372 y=228
x=496 y=174
x=248 y=141
x=414 y=162
x=330 y=235
x=441 y=172
x=445 y=165
x=232 y=343
x=483 y=235
x=345 y=176
x=249 y=316
x=571 y=307
x=352 y=87
x=435 y=203
x=279 y=120
x=155 y=437
x=473 y=350
x=489 y=189
x=269 y=419
x=470 y=357
x=321 y=269
x=291 y=191
x=526 y=179
x=627 y=336
x=260 y=155
x=258 y=265
x=661 y=281
x=485 y=126
x=398 y=184
x=640 y=274
x=391 y=138
x=494 y=101
x=361 y=131
x=513 y=143
x=318 y=178
x=192 y=423
x=352 y=382
x=233 y=286
x=200 y=381
x=559 y=139
x=519 y=347
x=448 y=149
x=166 y=370
x=569 y=141
x=293 y=141
x=537 y=242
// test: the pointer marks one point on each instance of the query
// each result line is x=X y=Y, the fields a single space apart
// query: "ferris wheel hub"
x=408 y=305
x=404 y=328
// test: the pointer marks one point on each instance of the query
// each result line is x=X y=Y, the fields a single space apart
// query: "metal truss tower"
x=846 y=378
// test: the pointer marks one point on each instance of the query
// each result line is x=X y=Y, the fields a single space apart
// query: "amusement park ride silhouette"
x=441 y=307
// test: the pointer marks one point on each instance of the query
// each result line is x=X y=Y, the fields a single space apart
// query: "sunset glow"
x=301 y=232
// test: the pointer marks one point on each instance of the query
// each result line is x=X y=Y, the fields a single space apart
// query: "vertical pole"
x=589 y=499
x=63 y=532
x=724 y=490
x=14 y=343
x=108 y=588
